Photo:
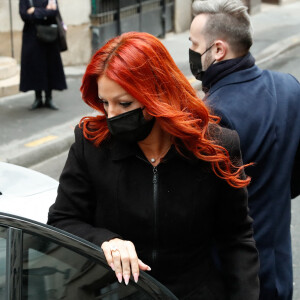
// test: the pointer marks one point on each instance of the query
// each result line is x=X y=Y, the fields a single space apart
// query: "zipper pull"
x=154 y=174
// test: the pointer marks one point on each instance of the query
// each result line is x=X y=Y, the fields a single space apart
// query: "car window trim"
x=14 y=263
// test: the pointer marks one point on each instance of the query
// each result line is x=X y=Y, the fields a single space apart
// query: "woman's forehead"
x=109 y=89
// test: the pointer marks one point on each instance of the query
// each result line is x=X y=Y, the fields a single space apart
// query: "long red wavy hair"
x=143 y=67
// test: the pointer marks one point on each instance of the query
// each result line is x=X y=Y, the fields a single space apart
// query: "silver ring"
x=113 y=248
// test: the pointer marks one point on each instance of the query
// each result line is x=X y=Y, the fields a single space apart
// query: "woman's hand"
x=122 y=258
x=30 y=10
x=51 y=6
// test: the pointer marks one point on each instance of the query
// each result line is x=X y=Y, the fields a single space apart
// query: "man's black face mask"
x=196 y=64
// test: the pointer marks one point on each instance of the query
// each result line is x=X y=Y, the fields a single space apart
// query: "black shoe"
x=49 y=103
x=38 y=103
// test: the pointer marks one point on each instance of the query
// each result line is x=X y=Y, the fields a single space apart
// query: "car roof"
x=25 y=192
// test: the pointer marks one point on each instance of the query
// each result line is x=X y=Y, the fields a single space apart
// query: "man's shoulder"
x=280 y=77
x=265 y=83
x=253 y=77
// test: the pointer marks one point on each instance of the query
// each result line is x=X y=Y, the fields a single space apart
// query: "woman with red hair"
x=154 y=180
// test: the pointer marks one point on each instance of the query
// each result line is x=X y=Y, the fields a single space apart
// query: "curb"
x=17 y=153
x=46 y=151
x=277 y=48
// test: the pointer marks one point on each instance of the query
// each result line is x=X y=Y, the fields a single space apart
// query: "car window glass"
x=3 y=246
x=51 y=272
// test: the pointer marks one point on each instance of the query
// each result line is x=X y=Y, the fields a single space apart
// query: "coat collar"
x=237 y=77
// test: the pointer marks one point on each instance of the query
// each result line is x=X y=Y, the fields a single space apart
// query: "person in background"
x=264 y=108
x=41 y=64
x=154 y=180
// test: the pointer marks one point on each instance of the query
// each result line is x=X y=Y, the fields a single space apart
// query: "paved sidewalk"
x=276 y=29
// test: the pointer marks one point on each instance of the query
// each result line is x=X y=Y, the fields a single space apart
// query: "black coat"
x=173 y=214
x=41 y=64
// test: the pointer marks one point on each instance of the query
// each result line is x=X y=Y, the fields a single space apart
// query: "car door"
x=40 y=262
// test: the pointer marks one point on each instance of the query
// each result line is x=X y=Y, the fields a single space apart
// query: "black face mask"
x=196 y=64
x=130 y=126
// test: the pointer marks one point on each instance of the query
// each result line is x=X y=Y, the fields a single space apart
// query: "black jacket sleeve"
x=39 y=12
x=234 y=234
x=74 y=208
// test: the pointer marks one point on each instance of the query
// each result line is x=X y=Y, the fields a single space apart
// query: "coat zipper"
x=155 y=207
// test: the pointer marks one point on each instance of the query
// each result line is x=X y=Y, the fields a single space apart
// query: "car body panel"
x=25 y=192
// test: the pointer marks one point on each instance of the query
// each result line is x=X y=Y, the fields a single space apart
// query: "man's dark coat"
x=41 y=65
x=264 y=108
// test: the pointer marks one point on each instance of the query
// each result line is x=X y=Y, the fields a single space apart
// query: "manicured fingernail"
x=148 y=268
x=112 y=266
x=126 y=279
x=136 y=277
x=119 y=276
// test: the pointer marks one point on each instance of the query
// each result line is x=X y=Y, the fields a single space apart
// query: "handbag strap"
x=31 y=3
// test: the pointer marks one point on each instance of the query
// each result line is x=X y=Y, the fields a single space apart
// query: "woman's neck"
x=156 y=145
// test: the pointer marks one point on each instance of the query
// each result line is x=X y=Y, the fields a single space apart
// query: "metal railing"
x=113 y=17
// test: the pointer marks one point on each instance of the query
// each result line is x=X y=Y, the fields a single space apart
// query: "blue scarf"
x=225 y=67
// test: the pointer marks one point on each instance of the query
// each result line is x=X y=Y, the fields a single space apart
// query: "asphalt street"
x=287 y=62
x=25 y=121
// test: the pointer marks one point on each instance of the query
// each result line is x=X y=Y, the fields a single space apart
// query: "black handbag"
x=47 y=33
x=50 y=33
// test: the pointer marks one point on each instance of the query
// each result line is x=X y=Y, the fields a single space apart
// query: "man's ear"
x=221 y=50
